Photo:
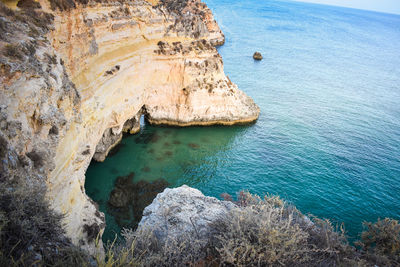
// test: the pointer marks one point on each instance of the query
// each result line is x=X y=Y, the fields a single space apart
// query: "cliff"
x=76 y=74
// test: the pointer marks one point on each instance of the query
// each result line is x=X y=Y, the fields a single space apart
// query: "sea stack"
x=257 y=56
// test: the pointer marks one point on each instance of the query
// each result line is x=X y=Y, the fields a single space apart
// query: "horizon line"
x=349 y=7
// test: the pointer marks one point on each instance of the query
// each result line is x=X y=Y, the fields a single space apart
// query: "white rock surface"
x=182 y=210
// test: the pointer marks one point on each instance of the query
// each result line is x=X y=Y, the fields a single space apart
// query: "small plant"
x=381 y=242
x=13 y=51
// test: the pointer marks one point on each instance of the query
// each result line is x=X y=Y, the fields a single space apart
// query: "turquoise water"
x=328 y=137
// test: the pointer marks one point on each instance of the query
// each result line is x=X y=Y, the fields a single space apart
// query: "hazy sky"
x=388 y=6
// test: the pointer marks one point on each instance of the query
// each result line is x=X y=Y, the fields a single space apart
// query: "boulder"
x=118 y=198
x=257 y=56
x=181 y=211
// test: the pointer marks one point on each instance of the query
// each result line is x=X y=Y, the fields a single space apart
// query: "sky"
x=387 y=6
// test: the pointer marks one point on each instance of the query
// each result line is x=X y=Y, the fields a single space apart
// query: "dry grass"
x=381 y=242
x=30 y=232
x=261 y=232
x=142 y=248
x=258 y=232
x=269 y=232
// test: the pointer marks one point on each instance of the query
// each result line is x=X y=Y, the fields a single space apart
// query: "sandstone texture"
x=75 y=75
x=183 y=210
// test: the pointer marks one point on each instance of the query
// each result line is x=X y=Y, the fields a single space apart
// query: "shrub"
x=13 y=51
x=257 y=232
x=30 y=231
x=381 y=242
x=261 y=234
x=28 y=4
x=62 y=4
x=142 y=248
x=38 y=18
x=269 y=232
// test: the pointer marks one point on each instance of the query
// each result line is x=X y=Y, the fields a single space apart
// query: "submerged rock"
x=128 y=199
x=193 y=145
x=118 y=198
x=120 y=195
x=146 y=138
x=167 y=144
x=146 y=169
x=124 y=181
x=183 y=210
x=257 y=56
x=155 y=138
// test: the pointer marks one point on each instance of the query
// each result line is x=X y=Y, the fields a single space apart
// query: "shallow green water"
x=328 y=137
x=180 y=156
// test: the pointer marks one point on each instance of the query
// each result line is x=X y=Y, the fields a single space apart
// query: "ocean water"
x=328 y=136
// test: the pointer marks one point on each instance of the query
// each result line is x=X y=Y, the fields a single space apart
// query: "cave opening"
x=144 y=164
x=120 y=193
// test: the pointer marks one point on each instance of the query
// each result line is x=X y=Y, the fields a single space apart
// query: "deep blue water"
x=328 y=136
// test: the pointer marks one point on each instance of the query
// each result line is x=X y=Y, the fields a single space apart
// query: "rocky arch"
x=94 y=67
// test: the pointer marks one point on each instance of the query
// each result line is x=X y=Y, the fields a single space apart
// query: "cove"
x=327 y=139
x=157 y=157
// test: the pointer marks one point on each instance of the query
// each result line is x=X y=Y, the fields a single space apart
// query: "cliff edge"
x=76 y=74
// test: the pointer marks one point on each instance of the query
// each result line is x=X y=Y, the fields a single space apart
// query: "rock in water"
x=118 y=198
x=182 y=210
x=257 y=56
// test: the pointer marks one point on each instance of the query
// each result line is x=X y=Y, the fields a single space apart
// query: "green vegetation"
x=259 y=232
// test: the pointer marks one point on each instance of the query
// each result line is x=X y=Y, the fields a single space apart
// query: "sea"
x=328 y=136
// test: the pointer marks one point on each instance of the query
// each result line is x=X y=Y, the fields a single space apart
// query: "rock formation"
x=183 y=210
x=128 y=199
x=76 y=74
x=257 y=56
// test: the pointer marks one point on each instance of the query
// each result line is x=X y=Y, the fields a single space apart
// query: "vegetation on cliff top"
x=264 y=232
x=30 y=232
x=260 y=232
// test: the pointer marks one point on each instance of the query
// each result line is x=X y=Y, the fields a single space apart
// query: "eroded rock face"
x=109 y=140
x=183 y=210
x=76 y=74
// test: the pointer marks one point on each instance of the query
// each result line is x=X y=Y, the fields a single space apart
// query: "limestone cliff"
x=75 y=74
